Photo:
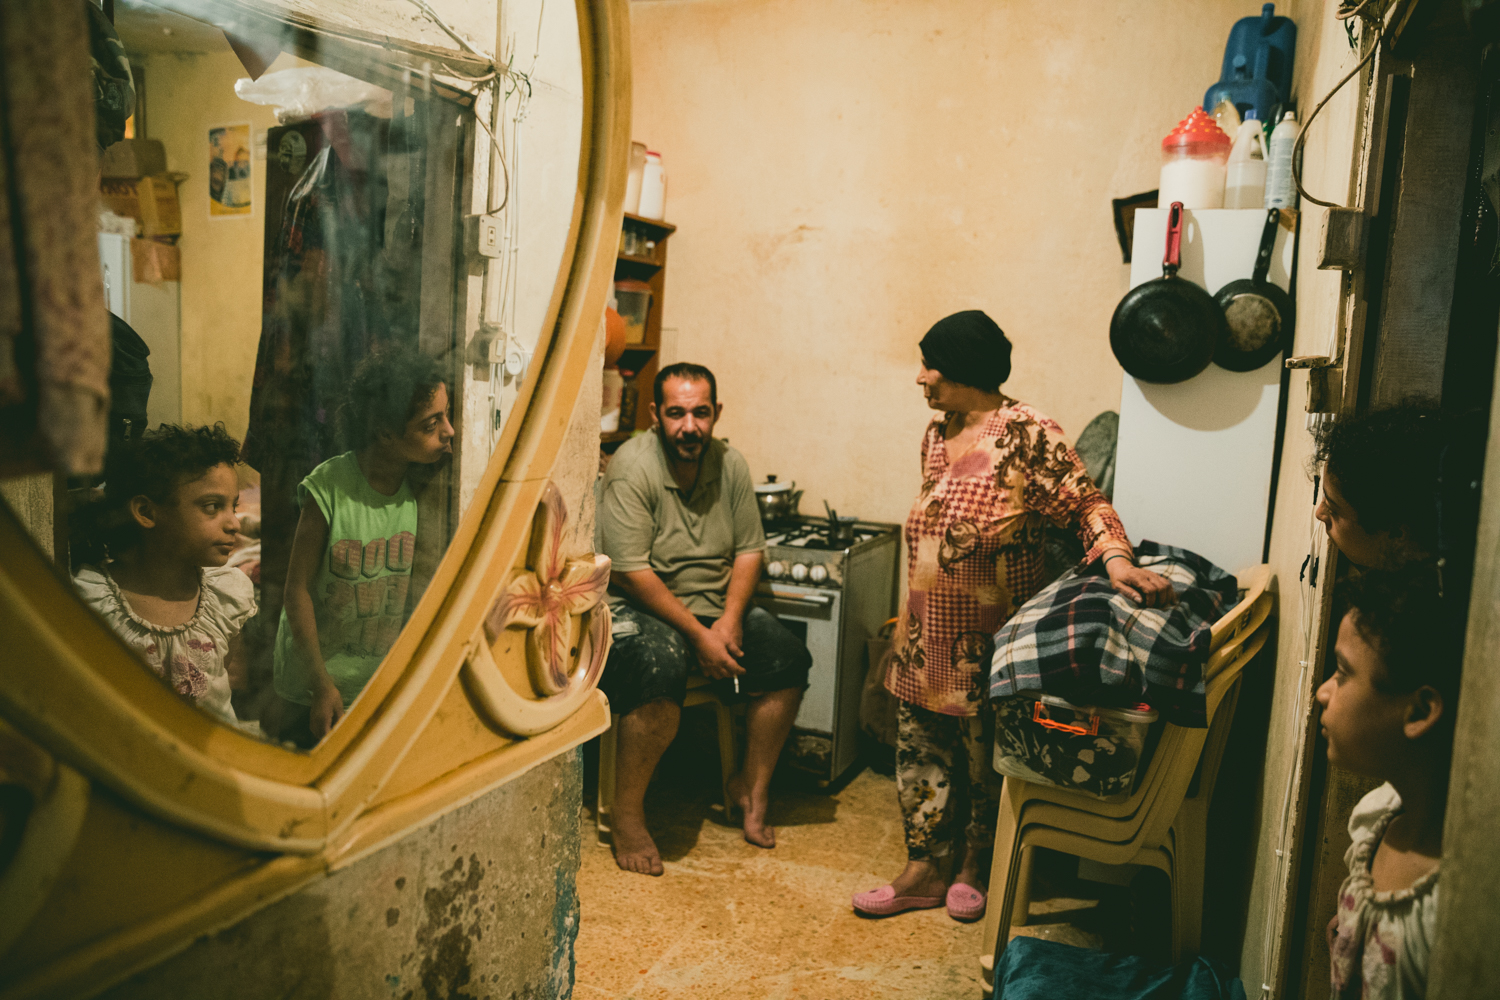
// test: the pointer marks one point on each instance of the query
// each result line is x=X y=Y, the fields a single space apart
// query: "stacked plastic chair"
x=1162 y=823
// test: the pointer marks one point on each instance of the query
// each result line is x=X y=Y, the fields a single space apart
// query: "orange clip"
x=1040 y=717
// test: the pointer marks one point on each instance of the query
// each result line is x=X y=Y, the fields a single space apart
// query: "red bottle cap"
x=1197 y=135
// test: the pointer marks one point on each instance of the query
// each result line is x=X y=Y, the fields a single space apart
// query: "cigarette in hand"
x=736 y=685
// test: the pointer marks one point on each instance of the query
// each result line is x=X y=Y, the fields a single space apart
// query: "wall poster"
x=229 y=170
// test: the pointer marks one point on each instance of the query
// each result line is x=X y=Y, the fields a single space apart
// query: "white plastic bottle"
x=1245 y=177
x=653 y=188
x=1281 y=190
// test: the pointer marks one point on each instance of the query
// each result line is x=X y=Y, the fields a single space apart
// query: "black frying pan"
x=1259 y=315
x=1166 y=330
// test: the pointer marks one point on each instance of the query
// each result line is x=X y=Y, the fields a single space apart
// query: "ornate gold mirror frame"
x=150 y=824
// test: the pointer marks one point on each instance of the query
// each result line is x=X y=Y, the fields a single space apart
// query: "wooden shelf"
x=641 y=358
x=664 y=228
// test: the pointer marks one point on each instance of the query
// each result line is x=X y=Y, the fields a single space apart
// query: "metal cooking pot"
x=777 y=501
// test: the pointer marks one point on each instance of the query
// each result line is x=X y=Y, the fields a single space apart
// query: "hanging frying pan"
x=1258 y=314
x=1166 y=330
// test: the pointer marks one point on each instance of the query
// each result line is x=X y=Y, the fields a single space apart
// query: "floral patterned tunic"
x=1384 y=938
x=974 y=542
x=189 y=657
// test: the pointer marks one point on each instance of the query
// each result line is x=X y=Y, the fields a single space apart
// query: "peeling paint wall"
x=480 y=904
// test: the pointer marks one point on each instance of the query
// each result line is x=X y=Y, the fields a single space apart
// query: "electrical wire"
x=422 y=6
x=1344 y=13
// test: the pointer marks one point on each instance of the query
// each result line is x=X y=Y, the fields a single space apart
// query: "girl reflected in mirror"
x=350 y=569
x=156 y=567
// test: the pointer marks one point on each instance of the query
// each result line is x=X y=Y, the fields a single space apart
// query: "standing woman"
x=994 y=471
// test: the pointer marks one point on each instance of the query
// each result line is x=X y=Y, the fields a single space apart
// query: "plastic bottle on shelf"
x=1281 y=189
x=1245 y=177
x=653 y=188
x=1227 y=117
x=1194 y=156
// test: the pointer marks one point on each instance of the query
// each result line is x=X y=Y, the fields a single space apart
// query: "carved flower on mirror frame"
x=548 y=600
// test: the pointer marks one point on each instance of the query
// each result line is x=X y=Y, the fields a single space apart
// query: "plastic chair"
x=1159 y=823
x=698 y=693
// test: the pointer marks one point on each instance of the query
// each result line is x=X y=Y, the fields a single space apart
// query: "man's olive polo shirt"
x=645 y=521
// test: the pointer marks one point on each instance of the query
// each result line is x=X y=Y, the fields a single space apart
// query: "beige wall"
x=845 y=173
x=1323 y=57
x=221 y=257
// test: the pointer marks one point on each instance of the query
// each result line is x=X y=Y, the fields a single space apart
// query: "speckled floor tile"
x=730 y=921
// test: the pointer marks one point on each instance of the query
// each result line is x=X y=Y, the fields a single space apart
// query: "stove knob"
x=776 y=570
x=799 y=572
x=818 y=573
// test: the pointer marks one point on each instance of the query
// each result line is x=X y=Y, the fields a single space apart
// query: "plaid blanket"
x=1081 y=640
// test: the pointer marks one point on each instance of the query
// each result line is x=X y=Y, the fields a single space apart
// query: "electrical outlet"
x=484 y=235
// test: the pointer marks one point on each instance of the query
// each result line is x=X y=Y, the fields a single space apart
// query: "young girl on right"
x=1401 y=483
x=1388 y=713
x=350 y=569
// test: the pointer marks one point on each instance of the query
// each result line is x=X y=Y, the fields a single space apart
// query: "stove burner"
x=815 y=536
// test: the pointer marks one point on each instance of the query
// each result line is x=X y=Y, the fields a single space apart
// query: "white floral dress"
x=190 y=657
x=1384 y=937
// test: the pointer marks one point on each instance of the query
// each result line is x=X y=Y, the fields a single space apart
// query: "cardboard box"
x=154 y=262
x=151 y=201
x=134 y=158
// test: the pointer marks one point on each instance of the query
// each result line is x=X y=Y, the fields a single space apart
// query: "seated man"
x=677 y=515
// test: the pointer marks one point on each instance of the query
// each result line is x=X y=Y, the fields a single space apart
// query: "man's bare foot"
x=921 y=878
x=753 y=805
x=635 y=851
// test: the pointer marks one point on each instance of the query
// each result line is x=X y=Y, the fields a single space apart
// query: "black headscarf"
x=970 y=349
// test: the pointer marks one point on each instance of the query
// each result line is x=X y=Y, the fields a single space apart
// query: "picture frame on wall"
x=230 y=166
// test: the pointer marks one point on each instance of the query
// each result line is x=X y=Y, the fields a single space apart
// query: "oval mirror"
x=331 y=241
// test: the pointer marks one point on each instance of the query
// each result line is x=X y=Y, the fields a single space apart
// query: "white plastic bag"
x=300 y=93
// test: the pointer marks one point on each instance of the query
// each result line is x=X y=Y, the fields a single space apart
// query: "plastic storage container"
x=1194 y=156
x=1245 y=178
x=1257 y=68
x=1050 y=741
x=635 y=303
x=653 y=188
x=633 y=180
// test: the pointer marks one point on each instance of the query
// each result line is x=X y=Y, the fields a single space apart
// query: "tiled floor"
x=729 y=920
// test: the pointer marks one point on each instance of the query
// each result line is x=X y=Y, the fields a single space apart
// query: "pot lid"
x=772 y=486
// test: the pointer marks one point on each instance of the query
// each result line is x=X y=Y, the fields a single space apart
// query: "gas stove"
x=836 y=598
x=813 y=534
x=801 y=553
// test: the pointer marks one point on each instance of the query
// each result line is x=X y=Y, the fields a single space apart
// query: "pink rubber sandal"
x=884 y=902
x=965 y=902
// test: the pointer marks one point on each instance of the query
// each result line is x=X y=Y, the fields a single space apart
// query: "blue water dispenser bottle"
x=1257 y=71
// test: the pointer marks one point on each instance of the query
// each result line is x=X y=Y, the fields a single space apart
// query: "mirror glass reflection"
x=316 y=348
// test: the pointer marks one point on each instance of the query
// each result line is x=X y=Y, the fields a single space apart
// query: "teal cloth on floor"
x=1033 y=969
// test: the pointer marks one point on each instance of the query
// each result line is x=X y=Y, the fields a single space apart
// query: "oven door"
x=812 y=614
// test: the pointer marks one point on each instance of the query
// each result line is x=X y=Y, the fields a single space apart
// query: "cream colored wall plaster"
x=845 y=173
x=1323 y=57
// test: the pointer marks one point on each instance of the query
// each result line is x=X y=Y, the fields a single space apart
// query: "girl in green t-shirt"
x=350 y=569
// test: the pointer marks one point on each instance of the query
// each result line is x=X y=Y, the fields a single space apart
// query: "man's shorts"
x=655 y=661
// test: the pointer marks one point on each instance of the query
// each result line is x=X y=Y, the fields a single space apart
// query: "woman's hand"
x=1151 y=590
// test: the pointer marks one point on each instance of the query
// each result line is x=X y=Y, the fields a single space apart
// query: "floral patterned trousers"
x=939 y=760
